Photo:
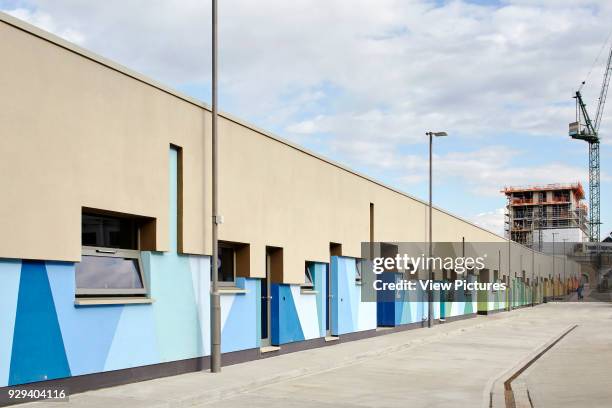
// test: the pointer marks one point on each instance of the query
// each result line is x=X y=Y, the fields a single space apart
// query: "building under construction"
x=537 y=214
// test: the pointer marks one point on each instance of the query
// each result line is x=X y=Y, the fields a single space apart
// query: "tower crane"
x=585 y=129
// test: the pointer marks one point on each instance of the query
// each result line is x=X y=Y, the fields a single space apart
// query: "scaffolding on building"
x=532 y=209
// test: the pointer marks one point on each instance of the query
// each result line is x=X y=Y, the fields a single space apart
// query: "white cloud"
x=486 y=171
x=467 y=68
x=364 y=79
x=46 y=22
x=483 y=172
x=305 y=127
x=491 y=220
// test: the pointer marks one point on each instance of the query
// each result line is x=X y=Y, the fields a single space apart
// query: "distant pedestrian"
x=579 y=290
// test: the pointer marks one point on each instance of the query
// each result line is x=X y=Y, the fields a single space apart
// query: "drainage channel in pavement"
x=519 y=397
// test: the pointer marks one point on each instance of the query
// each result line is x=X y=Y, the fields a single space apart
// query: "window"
x=109 y=232
x=109 y=272
x=110 y=262
x=358 y=272
x=308 y=280
x=226 y=265
x=233 y=260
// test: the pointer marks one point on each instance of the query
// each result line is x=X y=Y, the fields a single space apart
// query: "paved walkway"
x=451 y=365
x=585 y=358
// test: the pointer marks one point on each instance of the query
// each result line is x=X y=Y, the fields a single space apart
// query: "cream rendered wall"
x=516 y=253
x=78 y=130
x=273 y=194
x=75 y=133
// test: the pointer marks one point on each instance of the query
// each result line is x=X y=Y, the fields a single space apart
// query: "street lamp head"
x=436 y=134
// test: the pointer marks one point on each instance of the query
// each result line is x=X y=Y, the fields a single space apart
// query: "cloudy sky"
x=360 y=81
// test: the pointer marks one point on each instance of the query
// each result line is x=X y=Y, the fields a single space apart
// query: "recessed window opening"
x=110 y=256
x=226 y=265
x=308 y=276
x=358 y=272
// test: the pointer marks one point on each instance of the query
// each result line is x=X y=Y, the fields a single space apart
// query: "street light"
x=430 y=293
x=533 y=285
x=564 y=267
x=554 y=259
x=215 y=301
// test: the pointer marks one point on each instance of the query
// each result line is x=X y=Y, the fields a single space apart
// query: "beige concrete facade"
x=79 y=131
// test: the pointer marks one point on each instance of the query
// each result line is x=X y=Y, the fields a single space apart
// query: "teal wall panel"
x=177 y=321
x=320 y=285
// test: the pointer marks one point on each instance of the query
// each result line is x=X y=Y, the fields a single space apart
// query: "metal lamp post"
x=215 y=301
x=554 y=259
x=564 y=267
x=532 y=286
x=429 y=291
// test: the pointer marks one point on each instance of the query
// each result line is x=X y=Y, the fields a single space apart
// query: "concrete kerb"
x=497 y=395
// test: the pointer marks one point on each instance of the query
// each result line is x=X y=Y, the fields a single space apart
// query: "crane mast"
x=587 y=130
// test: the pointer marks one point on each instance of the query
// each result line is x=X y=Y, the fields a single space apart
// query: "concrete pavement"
x=450 y=365
x=585 y=357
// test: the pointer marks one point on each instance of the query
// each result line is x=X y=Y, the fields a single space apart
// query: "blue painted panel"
x=388 y=312
x=343 y=313
x=240 y=330
x=262 y=310
x=320 y=285
x=351 y=314
x=134 y=343
x=259 y=284
x=328 y=301
x=335 y=309
x=398 y=307
x=38 y=349
x=402 y=304
x=286 y=327
x=87 y=331
x=10 y=272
